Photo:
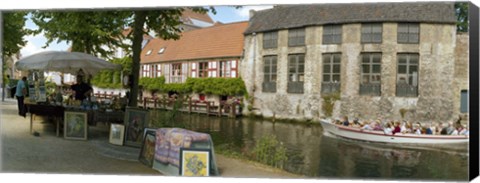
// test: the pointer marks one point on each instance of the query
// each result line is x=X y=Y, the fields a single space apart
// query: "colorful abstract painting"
x=195 y=162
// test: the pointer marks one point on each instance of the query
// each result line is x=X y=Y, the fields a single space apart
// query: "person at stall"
x=20 y=93
x=81 y=90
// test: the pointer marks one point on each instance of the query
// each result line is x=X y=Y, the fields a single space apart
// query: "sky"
x=225 y=14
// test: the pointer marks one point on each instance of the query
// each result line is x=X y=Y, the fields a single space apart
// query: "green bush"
x=113 y=79
x=270 y=151
x=329 y=103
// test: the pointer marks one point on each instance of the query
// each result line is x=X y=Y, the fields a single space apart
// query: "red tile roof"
x=127 y=31
x=212 y=42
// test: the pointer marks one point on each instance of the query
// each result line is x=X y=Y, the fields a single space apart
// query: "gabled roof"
x=219 y=41
x=189 y=14
x=285 y=17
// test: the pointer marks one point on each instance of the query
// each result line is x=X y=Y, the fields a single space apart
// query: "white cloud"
x=35 y=44
x=244 y=12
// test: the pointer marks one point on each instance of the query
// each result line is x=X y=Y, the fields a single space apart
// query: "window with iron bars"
x=296 y=73
x=270 y=40
x=407 y=75
x=269 y=73
x=370 y=83
x=372 y=33
x=332 y=34
x=408 y=33
x=331 y=72
x=296 y=37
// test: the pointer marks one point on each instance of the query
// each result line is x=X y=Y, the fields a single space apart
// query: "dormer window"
x=149 y=52
x=161 y=50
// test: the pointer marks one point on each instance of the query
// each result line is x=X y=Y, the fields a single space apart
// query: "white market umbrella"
x=66 y=62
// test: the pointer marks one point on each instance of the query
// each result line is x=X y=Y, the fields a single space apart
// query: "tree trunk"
x=137 y=29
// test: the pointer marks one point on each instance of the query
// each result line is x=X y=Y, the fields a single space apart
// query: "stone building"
x=379 y=58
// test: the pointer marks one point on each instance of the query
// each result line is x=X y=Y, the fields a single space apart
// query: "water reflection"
x=312 y=153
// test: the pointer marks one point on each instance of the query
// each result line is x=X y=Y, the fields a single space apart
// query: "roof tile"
x=212 y=42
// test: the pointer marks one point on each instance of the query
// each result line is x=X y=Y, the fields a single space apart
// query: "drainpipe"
x=253 y=60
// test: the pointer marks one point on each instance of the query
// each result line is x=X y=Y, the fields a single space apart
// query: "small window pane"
x=413 y=68
x=402 y=59
x=414 y=28
x=366 y=69
x=377 y=58
x=336 y=78
x=365 y=79
x=402 y=28
x=326 y=78
x=301 y=68
x=326 y=68
x=336 y=58
x=402 y=69
x=336 y=68
x=366 y=58
x=376 y=69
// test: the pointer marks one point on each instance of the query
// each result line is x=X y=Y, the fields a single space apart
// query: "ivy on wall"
x=113 y=79
x=215 y=86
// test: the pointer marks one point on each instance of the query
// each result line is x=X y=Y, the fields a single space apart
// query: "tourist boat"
x=380 y=136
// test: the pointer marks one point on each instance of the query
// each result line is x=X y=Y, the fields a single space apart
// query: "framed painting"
x=117 y=133
x=135 y=121
x=75 y=125
x=194 y=162
x=147 y=152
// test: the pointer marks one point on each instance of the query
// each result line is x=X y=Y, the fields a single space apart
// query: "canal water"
x=313 y=153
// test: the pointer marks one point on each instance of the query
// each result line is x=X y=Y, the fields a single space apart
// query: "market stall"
x=57 y=105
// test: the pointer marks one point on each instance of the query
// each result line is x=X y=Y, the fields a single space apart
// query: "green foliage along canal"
x=312 y=153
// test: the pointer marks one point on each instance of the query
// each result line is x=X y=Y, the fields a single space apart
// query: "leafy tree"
x=89 y=31
x=461 y=12
x=13 y=33
x=92 y=32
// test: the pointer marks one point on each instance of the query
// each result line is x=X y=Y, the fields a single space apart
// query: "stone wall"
x=438 y=74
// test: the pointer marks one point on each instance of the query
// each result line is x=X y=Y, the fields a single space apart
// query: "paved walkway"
x=23 y=152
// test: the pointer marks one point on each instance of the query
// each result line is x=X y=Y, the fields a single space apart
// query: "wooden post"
x=233 y=110
x=220 y=109
x=145 y=102
x=58 y=125
x=208 y=108
x=31 y=122
x=189 y=105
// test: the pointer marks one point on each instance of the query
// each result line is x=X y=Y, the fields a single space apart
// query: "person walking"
x=20 y=93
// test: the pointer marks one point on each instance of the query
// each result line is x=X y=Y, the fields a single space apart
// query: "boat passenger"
x=356 y=124
x=345 y=121
x=388 y=130
x=403 y=128
x=432 y=128
x=428 y=130
x=439 y=128
x=367 y=126
x=455 y=132
x=409 y=127
x=397 y=128
x=465 y=131
x=444 y=130
x=377 y=126
x=417 y=130
x=450 y=128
